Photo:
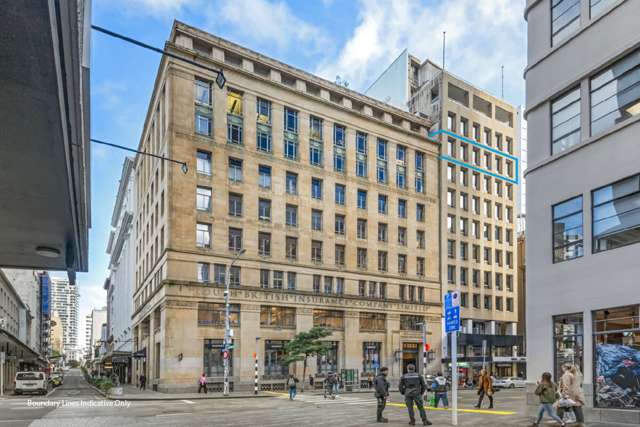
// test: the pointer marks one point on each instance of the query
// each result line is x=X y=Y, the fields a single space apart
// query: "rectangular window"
x=332 y=319
x=373 y=289
x=402 y=236
x=291 y=215
x=362 y=258
x=616 y=214
x=615 y=93
x=339 y=146
x=328 y=362
x=213 y=314
x=234 y=276
x=213 y=362
x=203 y=272
x=340 y=224
x=401 y=166
x=451 y=273
x=291 y=280
x=382 y=232
x=419 y=212
x=402 y=264
x=419 y=172
x=420 y=266
x=565 y=19
x=263 y=138
x=265 y=176
x=361 y=228
x=371 y=356
x=568 y=335
x=278 y=317
x=291 y=248
x=382 y=204
x=316 y=251
x=381 y=161
x=410 y=322
x=291 y=146
x=263 y=111
x=264 y=209
x=203 y=112
x=264 y=244
x=328 y=285
x=372 y=322
x=265 y=278
x=316 y=220
x=362 y=286
x=616 y=333
x=203 y=162
x=234 y=117
x=361 y=154
x=292 y=183
x=362 y=199
x=203 y=199
x=340 y=194
x=290 y=120
x=219 y=274
x=316 y=283
x=315 y=152
x=274 y=356
x=235 y=204
x=420 y=237
x=598 y=6
x=235 y=170
x=382 y=261
x=567 y=230
x=339 y=286
x=316 y=188
x=203 y=235
x=340 y=255
x=402 y=208
x=565 y=121
x=235 y=239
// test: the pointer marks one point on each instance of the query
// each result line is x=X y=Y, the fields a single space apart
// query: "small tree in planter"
x=305 y=345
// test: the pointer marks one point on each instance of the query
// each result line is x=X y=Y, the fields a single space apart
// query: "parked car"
x=30 y=382
x=509 y=382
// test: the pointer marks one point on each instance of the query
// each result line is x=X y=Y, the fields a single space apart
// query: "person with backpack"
x=412 y=387
x=292 y=383
x=202 y=383
x=548 y=394
x=381 y=392
x=439 y=387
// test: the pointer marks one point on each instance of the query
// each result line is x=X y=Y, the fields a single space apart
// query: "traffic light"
x=427 y=347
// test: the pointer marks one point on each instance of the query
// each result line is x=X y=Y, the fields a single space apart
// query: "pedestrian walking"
x=439 y=387
x=292 y=383
x=485 y=388
x=412 y=387
x=571 y=388
x=143 y=382
x=370 y=379
x=548 y=394
x=329 y=386
x=202 y=383
x=382 y=393
x=311 y=381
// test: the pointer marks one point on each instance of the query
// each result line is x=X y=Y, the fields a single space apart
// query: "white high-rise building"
x=64 y=300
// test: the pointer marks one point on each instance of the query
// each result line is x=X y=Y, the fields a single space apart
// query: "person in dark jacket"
x=382 y=392
x=412 y=387
x=143 y=381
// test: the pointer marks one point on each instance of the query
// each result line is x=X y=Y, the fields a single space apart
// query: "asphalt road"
x=77 y=404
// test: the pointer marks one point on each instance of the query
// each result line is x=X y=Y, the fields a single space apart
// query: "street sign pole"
x=454 y=377
x=484 y=352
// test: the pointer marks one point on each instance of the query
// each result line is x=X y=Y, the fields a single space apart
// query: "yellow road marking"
x=430 y=408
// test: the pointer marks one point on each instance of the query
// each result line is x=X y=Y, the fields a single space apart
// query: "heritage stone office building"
x=333 y=196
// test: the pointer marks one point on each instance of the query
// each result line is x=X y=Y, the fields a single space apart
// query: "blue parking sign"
x=452 y=319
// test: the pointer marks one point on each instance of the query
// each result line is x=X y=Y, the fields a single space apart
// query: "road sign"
x=452 y=319
x=451 y=299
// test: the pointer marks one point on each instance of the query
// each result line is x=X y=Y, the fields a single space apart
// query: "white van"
x=30 y=382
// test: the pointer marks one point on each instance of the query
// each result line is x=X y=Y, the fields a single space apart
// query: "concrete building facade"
x=121 y=281
x=27 y=285
x=64 y=300
x=333 y=195
x=479 y=192
x=583 y=199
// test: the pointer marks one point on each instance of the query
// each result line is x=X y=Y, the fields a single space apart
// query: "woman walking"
x=571 y=387
x=485 y=387
x=547 y=392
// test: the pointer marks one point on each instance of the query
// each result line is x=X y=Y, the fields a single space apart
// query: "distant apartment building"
x=121 y=281
x=88 y=329
x=583 y=199
x=98 y=319
x=27 y=284
x=479 y=150
x=332 y=194
x=64 y=300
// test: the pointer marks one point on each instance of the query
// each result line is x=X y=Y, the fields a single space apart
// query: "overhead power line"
x=220 y=78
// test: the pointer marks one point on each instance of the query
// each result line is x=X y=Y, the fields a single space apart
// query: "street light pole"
x=227 y=323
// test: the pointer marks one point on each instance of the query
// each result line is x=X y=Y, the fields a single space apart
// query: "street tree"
x=305 y=345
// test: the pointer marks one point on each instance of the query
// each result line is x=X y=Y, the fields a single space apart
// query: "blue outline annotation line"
x=515 y=181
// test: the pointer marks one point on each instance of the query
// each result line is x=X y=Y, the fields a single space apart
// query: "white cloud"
x=268 y=23
x=481 y=36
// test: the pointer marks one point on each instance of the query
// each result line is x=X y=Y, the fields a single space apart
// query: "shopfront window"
x=616 y=337
x=273 y=359
x=332 y=319
x=329 y=362
x=371 y=356
x=568 y=342
x=213 y=364
x=277 y=317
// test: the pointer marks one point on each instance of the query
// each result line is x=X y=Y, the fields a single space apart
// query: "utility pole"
x=255 y=357
x=227 y=323
x=423 y=328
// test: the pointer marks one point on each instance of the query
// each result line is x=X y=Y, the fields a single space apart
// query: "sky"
x=355 y=40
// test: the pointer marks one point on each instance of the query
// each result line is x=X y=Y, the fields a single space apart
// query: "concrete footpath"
x=130 y=392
